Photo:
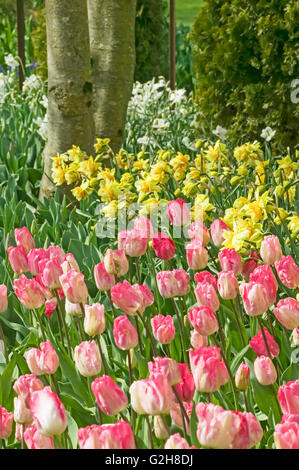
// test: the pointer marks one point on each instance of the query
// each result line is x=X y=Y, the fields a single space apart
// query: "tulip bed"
x=153 y=339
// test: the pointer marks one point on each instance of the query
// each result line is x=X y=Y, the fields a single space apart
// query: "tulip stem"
x=238 y=323
x=80 y=328
x=210 y=397
x=165 y=424
x=61 y=315
x=3 y=444
x=98 y=341
x=149 y=334
x=55 y=384
x=131 y=381
x=149 y=431
x=99 y=415
x=245 y=401
x=111 y=303
x=264 y=337
x=270 y=324
x=138 y=333
x=22 y=436
x=277 y=401
x=228 y=370
x=41 y=325
x=155 y=277
x=180 y=403
x=2 y=337
x=181 y=330
x=138 y=271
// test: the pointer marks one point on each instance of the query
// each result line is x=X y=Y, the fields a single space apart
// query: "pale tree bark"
x=112 y=46
x=70 y=120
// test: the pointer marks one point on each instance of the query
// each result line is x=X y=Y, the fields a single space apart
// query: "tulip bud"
x=286 y=434
x=197 y=255
x=264 y=275
x=133 y=359
x=22 y=414
x=203 y=320
x=152 y=396
x=288 y=272
x=255 y=298
x=264 y=370
x=167 y=367
x=74 y=287
x=18 y=259
x=186 y=387
x=56 y=252
x=69 y=262
x=287 y=313
x=146 y=296
x=161 y=431
x=73 y=310
x=178 y=212
x=288 y=395
x=87 y=359
x=217 y=231
x=206 y=277
x=295 y=336
x=108 y=436
x=29 y=292
x=133 y=242
x=242 y=378
x=116 y=262
x=6 y=420
x=227 y=285
x=163 y=245
x=94 y=319
x=173 y=283
x=207 y=296
x=199 y=232
x=43 y=361
x=270 y=249
x=110 y=397
x=48 y=411
x=126 y=298
x=209 y=372
x=3 y=298
x=24 y=238
x=51 y=306
x=50 y=270
x=104 y=281
x=26 y=385
x=176 y=441
x=250 y=265
x=197 y=339
x=257 y=344
x=163 y=328
x=35 y=440
x=230 y=260
x=143 y=224
x=125 y=334
x=34 y=257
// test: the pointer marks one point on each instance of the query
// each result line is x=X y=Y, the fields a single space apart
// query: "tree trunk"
x=69 y=114
x=112 y=47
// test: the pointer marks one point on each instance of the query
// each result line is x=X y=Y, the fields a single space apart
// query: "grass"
x=186 y=11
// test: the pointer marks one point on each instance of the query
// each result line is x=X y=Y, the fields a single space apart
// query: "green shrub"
x=245 y=59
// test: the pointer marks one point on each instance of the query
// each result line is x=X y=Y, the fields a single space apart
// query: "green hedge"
x=245 y=59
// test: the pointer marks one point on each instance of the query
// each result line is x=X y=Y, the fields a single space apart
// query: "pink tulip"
x=209 y=372
x=163 y=328
x=163 y=245
x=34 y=257
x=250 y=265
x=110 y=397
x=104 y=281
x=125 y=334
x=295 y=336
x=255 y=298
x=116 y=262
x=29 y=292
x=176 y=414
x=69 y=262
x=126 y=298
x=287 y=313
x=197 y=255
x=264 y=275
x=225 y=429
x=227 y=285
x=48 y=412
x=42 y=361
x=167 y=367
x=23 y=237
x=6 y=420
x=288 y=272
x=73 y=310
x=176 y=441
x=118 y=436
x=257 y=344
x=160 y=429
x=197 y=339
x=143 y=224
x=47 y=292
x=152 y=396
x=51 y=306
x=55 y=251
x=74 y=287
x=94 y=319
x=178 y=212
x=87 y=359
x=133 y=242
x=22 y=414
x=50 y=271
x=173 y=283
x=207 y=296
x=286 y=434
x=206 y=277
x=35 y=440
x=203 y=320
x=146 y=296
x=271 y=249
x=217 y=231
x=18 y=259
x=199 y=232
x=288 y=395
x=26 y=385
x=264 y=370
x=186 y=387
x=230 y=260
x=242 y=377
x=3 y=298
